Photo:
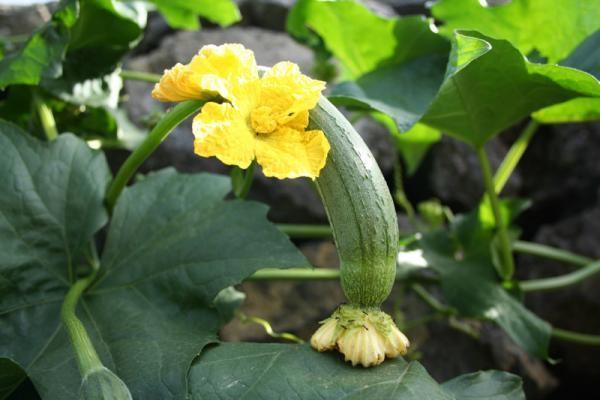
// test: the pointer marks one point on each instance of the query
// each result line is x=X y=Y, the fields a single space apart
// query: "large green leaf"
x=278 y=371
x=184 y=14
x=342 y=25
x=172 y=246
x=488 y=86
x=486 y=385
x=553 y=28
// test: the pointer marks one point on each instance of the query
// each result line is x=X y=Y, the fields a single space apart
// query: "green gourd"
x=360 y=210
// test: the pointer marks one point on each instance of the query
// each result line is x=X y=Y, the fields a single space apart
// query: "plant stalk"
x=508 y=266
x=552 y=253
x=576 y=337
x=272 y=274
x=87 y=358
x=514 y=155
x=561 y=281
x=140 y=76
x=306 y=231
x=242 y=187
x=173 y=118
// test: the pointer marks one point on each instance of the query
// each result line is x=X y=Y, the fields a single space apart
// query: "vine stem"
x=140 y=76
x=508 y=266
x=46 y=117
x=576 y=337
x=561 y=281
x=268 y=329
x=514 y=155
x=173 y=118
x=306 y=231
x=552 y=253
x=87 y=358
x=270 y=274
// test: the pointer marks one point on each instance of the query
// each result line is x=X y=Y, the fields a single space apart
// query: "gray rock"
x=19 y=20
x=272 y=14
x=268 y=14
x=560 y=171
x=380 y=142
x=455 y=174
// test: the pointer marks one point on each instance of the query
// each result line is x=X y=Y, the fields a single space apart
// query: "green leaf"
x=582 y=109
x=462 y=257
x=173 y=245
x=342 y=26
x=531 y=25
x=75 y=45
x=483 y=76
x=41 y=55
x=11 y=376
x=486 y=385
x=184 y=14
x=412 y=145
x=585 y=57
x=276 y=371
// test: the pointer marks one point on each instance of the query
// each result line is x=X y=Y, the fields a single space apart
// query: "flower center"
x=262 y=120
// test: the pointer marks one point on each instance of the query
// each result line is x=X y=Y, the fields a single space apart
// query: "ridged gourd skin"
x=360 y=210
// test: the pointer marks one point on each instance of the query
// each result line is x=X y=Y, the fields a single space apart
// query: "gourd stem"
x=507 y=266
x=513 y=156
x=87 y=358
x=552 y=253
x=561 y=281
x=173 y=118
x=140 y=76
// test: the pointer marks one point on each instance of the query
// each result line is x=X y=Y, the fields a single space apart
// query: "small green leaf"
x=582 y=109
x=528 y=24
x=184 y=14
x=41 y=55
x=586 y=57
x=413 y=144
x=276 y=371
x=462 y=257
x=486 y=385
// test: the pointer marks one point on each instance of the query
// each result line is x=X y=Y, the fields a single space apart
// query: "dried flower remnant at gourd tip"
x=365 y=337
x=265 y=118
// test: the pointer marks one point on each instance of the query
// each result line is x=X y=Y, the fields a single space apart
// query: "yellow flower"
x=263 y=119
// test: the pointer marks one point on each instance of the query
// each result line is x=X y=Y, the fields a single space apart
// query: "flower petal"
x=214 y=71
x=287 y=91
x=221 y=131
x=290 y=153
x=224 y=68
x=178 y=84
